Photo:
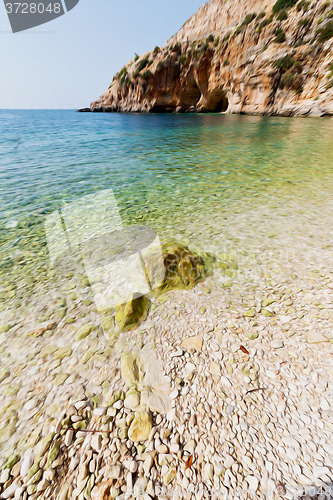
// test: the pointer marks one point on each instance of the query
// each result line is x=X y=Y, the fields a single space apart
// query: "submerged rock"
x=178 y=268
x=132 y=400
x=140 y=427
x=182 y=268
x=5 y=328
x=130 y=313
x=84 y=331
x=130 y=370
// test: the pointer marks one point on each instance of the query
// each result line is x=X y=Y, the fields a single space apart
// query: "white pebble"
x=174 y=394
x=253 y=483
x=324 y=405
x=27 y=463
x=69 y=437
x=228 y=461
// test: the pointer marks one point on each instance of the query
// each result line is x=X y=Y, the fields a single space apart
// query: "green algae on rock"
x=182 y=268
x=130 y=313
x=130 y=369
x=140 y=427
x=5 y=328
x=84 y=331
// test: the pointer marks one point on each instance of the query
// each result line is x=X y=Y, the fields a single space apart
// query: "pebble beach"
x=224 y=389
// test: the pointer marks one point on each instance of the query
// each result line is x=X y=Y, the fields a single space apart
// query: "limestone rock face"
x=235 y=57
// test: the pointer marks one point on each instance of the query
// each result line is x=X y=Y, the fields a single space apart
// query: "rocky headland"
x=252 y=58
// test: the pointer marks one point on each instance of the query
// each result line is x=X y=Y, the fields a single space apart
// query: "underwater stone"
x=130 y=371
x=12 y=461
x=140 y=427
x=132 y=312
x=84 y=331
x=5 y=328
x=132 y=400
x=63 y=352
x=53 y=453
x=252 y=335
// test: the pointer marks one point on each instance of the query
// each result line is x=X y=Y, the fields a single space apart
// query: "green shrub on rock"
x=283 y=5
x=325 y=33
x=263 y=24
x=284 y=63
x=283 y=15
x=304 y=22
x=298 y=43
x=290 y=73
x=248 y=19
x=146 y=74
x=203 y=49
x=142 y=64
x=280 y=35
x=302 y=5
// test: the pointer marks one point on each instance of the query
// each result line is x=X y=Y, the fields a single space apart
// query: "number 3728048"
x=32 y=8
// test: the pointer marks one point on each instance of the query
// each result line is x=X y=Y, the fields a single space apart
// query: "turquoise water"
x=185 y=175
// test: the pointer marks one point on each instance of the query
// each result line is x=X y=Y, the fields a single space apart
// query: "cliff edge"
x=232 y=56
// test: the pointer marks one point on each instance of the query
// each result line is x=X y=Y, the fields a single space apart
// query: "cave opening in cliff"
x=218 y=101
x=222 y=105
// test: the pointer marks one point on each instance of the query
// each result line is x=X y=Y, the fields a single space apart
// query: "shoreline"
x=286 y=114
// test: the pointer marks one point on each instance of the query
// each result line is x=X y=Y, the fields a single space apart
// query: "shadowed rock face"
x=237 y=69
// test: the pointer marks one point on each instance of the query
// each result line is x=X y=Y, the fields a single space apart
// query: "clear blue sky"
x=70 y=61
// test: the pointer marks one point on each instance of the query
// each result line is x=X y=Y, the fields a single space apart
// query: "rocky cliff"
x=236 y=56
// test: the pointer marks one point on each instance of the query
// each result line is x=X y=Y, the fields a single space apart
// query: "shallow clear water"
x=191 y=177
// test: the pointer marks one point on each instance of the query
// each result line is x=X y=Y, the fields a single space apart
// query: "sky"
x=70 y=61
